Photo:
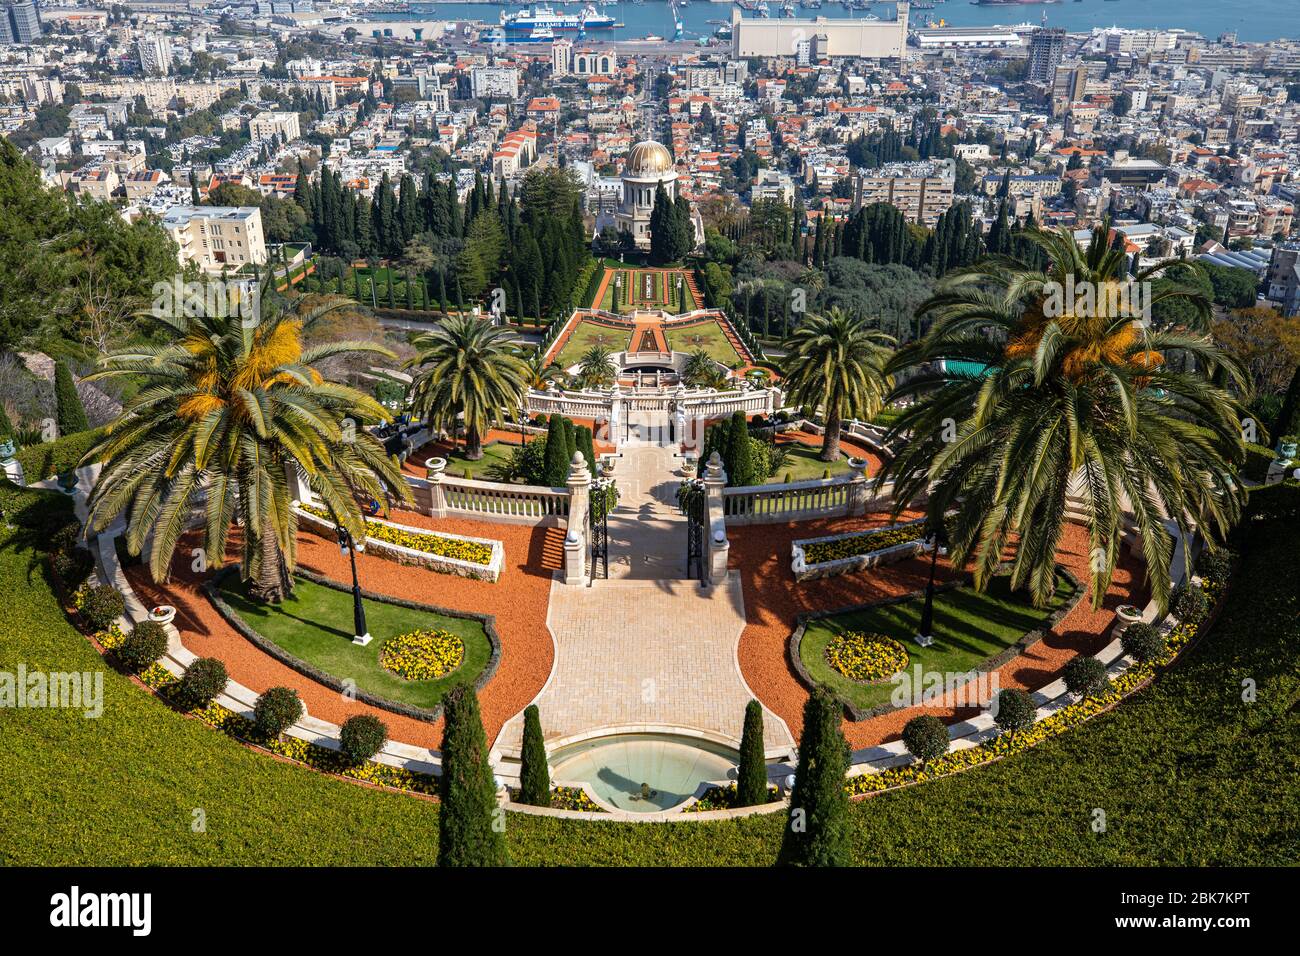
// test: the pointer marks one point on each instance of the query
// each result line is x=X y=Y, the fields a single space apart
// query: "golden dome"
x=648 y=159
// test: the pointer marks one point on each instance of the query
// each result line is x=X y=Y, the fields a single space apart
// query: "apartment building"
x=217 y=237
x=155 y=53
x=266 y=125
x=487 y=81
x=920 y=191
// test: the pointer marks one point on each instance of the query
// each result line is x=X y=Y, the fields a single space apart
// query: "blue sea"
x=1253 y=20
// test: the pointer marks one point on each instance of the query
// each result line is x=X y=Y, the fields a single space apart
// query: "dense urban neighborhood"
x=648 y=434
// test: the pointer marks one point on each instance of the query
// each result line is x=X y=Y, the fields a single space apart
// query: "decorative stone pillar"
x=575 y=538
x=715 y=480
x=857 y=487
x=615 y=415
x=437 y=503
x=299 y=490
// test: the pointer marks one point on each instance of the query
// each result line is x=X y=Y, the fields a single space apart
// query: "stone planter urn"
x=1287 y=448
x=1127 y=614
x=688 y=467
x=67 y=481
x=162 y=614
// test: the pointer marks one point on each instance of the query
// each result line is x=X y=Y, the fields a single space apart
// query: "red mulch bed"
x=773 y=601
x=518 y=601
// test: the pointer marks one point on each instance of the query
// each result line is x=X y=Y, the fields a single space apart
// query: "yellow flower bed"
x=474 y=552
x=866 y=657
x=725 y=798
x=822 y=551
x=426 y=654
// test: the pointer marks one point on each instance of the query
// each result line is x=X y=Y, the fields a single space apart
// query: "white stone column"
x=299 y=490
x=615 y=415
x=719 y=548
x=575 y=538
x=437 y=471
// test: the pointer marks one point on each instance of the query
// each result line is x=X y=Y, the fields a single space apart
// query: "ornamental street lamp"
x=361 y=634
x=937 y=539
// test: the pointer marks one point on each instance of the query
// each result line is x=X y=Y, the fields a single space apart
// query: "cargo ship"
x=545 y=18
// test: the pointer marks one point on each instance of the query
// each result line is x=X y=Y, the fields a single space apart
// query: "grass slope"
x=315 y=625
x=704 y=335
x=1186 y=772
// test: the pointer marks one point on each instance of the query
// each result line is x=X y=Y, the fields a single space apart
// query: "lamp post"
x=938 y=539
x=361 y=634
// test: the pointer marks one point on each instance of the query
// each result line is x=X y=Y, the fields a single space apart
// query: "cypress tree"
x=69 y=413
x=554 y=465
x=587 y=447
x=535 y=776
x=468 y=832
x=6 y=426
x=751 y=776
x=817 y=833
x=1288 y=419
x=736 y=451
x=570 y=443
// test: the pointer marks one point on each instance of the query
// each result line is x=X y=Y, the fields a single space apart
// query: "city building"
x=489 y=81
x=266 y=125
x=921 y=191
x=649 y=166
x=217 y=237
x=22 y=22
x=872 y=39
x=1046 y=47
x=155 y=52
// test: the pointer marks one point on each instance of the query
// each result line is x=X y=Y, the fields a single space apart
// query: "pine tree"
x=69 y=413
x=468 y=831
x=751 y=776
x=817 y=833
x=535 y=775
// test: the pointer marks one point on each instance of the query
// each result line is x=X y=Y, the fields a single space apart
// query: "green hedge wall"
x=53 y=457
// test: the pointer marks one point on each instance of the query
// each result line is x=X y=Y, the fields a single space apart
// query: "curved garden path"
x=773 y=601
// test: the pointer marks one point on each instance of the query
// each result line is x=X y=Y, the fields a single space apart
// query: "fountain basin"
x=643 y=772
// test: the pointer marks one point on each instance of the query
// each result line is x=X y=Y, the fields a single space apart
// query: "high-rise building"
x=1046 y=47
x=24 y=22
x=155 y=52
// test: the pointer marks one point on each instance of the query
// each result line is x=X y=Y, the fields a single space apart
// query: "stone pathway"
x=647 y=648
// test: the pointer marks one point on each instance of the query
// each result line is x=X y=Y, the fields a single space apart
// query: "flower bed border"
x=1009 y=653
x=402 y=555
x=211 y=588
x=855 y=562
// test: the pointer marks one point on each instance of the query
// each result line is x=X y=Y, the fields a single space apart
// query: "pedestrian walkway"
x=647 y=648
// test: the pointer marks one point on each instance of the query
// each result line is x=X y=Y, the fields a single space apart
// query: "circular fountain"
x=643 y=772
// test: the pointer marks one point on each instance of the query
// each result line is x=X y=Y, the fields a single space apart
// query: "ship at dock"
x=541 y=18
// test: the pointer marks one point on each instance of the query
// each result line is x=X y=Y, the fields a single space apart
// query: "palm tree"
x=700 y=369
x=467 y=368
x=596 y=368
x=1021 y=403
x=540 y=373
x=836 y=362
x=226 y=407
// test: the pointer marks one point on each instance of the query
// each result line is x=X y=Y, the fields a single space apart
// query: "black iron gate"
x=598 y=531
x=696 y=524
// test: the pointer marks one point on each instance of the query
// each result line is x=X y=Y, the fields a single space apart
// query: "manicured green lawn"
x=969 y=627
x=802 y=464
x=315 y=625
x=588 y=334
x=496 y=453
x=1187 y=772
x=706 y=335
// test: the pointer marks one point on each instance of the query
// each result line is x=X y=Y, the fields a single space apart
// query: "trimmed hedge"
x=203 y=680
x=362 y=736
x=276 y=710
x=146 y=643
x=926 y=737
x=1142 y=642
x=55 y=457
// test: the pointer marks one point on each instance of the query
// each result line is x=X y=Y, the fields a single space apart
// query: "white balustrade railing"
x=758 y=504
x=445 y=496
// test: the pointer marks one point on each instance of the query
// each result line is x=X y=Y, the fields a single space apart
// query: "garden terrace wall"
x=985 y=666
x=442 y=497
x=404 y=555
x=212 y=588
x=803 y=571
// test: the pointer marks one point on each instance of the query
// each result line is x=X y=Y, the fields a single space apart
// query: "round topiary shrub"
x=203 y=680
x=1215 y=565
x=143 y=646
x=1085 y=676
x=1143 y=642
x=1015 y=710
x=100 y=606
x=71 y=563
x=276 y=710
x=362 y=736
x=1190 y=604
x=925 y=737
